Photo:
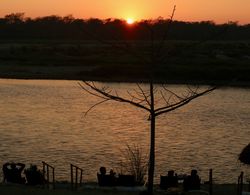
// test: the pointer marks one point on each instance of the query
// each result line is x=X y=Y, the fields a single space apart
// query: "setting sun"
x=130 y=21
x=220 y=11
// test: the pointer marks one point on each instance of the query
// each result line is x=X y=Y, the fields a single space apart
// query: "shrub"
x=135 y=162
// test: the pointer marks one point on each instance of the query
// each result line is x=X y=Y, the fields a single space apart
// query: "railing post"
x=53 y=175
x=71 y=178
x=240 y=183
x=210 y=181
x=47 y=168
x=81 y=179
x=44 y=171
x=74 y=178
x=46 y=174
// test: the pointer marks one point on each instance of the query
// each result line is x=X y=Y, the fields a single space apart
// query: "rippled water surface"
x=44 y=121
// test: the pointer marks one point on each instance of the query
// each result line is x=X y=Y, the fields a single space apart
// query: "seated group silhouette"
x=190 y=182
x=169 y=181
x=112 y=179
x=12 y=173
x=34 y=176
x=104 y=179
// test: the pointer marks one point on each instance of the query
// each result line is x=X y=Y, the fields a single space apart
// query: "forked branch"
x=98 y=92
x=170 y=107
x=144 y=101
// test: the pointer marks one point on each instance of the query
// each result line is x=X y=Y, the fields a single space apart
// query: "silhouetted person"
x=172 y=180
x=13 y=172
x=34 y=176
x=102 y=170
x=192 y=182
x=112 y=173
x=169 y=181
x=113 y=179
x=104 y=179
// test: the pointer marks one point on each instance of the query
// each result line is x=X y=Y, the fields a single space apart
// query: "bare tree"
x=156 y=100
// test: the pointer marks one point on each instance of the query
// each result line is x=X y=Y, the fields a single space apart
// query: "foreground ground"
x=218 y=189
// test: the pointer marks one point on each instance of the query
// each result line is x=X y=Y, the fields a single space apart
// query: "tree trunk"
x=152 y=144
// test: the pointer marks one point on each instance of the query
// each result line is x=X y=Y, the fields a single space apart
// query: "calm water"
x=44 y=121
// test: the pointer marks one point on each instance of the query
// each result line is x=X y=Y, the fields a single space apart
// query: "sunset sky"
x=220 y=11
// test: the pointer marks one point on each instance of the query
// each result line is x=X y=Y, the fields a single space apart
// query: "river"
x=43 y=120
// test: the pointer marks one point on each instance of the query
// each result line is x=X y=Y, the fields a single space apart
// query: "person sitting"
x=113 y=178
x=192 y=182
x=102 y=170
x=34 y=176
x=169 y=181
x=112 y=173
x=13 y=172
x=104 y=179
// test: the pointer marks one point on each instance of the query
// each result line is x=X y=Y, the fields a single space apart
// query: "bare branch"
x=108 y=96
x=90 y=92
x=137 y=98
x=181 y=103
x=166 y=101
x=171 y=92
x=92 y=107
x=143 y=93
x=161 y=45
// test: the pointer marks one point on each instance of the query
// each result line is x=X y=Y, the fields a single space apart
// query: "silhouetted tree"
x=156 y=100
x=16 y=25
x=14 y=18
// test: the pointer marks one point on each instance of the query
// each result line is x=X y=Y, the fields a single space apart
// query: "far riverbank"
x=225 y=63
x=72 y=73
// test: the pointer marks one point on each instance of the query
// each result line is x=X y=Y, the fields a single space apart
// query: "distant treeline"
x=17 y=26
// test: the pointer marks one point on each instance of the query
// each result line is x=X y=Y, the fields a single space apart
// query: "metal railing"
x=48 y=170
x=76 y=176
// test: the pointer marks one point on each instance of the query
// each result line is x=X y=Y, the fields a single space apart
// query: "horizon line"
x=124 y=19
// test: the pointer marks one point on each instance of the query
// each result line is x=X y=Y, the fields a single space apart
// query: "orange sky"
x=220 y=11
